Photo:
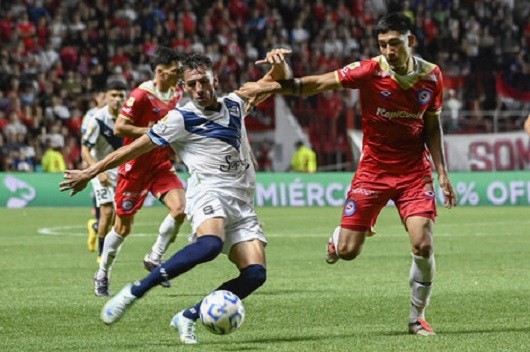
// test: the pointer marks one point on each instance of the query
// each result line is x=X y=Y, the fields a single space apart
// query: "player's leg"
x=127 y=200
x=361 y=208
x=92 y=227
x=249 y=258
x=422 y=272
x=247 y=251
x=207 y=247
x=170 y=191
x=111 y=248
x=416 y=204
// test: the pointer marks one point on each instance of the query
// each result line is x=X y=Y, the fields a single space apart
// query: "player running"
x=208 y=135
x=97 y=142
x=401 y=99
x=152 y=172
x=92 y=224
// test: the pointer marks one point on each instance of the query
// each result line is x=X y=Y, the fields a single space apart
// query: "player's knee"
x=211 y=246
x=254 y=275
x=348 y=252
x=423 y=249
x=122 y=230
x=179 y=215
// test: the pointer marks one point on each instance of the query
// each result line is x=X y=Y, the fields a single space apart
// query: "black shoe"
x=101 y=287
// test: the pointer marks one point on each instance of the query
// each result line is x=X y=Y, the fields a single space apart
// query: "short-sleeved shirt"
x=144 y=107
x=213 y=146
x=99 y=135
x=393 y=112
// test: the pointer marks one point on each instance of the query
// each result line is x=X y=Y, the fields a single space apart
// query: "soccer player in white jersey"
x=208 y=135
x=97 y=142
x=92 y=224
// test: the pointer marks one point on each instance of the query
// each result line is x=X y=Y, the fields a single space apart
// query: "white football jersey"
x=213 y=145
x=99 y=135
x=90 y=114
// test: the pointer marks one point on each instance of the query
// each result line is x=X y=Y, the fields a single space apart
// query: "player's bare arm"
x=76 y=180
x=90 y=160
x=124 y=127
x=433 y=140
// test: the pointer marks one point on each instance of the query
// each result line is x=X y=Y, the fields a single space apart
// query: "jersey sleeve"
x=437 y=101
x=91 y=133
x=134 y=107
x=168 y=129
x=353 y=75
x=243 y=104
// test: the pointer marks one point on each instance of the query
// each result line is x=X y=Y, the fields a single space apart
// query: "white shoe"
x=185 y=328
x=115 y=308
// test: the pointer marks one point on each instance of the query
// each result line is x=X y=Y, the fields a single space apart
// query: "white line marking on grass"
x=389 y=230
x=74 y=230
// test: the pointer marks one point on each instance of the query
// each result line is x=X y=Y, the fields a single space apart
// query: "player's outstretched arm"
x=76 y=180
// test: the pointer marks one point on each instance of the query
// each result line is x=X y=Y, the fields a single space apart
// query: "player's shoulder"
x=428 y=70
x=143 y=90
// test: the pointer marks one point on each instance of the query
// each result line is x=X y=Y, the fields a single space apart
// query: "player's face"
x=169 y=75
x=115 y=99
x=397 y=49
x=200 y=85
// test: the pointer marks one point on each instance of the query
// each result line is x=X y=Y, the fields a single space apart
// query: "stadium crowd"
x=55 y=54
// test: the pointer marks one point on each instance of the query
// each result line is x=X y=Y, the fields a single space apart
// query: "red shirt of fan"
x=144 y=107
x=393 y=112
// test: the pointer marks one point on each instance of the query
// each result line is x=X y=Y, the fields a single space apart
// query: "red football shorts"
x=412 y=194
x=132 y=190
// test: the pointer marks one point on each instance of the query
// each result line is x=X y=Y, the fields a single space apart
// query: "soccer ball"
x=222 y=312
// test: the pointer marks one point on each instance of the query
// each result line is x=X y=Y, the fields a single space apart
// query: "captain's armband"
x=293 y=86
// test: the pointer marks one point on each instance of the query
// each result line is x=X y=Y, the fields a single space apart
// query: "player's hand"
x=275 y=56
x=74 y=181
x=450 y=197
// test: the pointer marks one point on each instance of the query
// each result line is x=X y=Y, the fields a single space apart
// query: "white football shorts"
x=104 y=195
x=241 y=219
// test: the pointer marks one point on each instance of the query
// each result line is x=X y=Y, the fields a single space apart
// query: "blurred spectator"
x=54 y=54
x=304 y=159
x=53 y=160
x=453 y=106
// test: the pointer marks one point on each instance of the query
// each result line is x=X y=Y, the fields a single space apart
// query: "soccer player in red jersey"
x=401 y=99
x=151 y=172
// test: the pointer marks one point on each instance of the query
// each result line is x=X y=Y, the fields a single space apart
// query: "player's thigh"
x=420 y=231
x=163 y=181
x=416 y=197
x=175 y=200
x=243 y=228
x=130 y=195
x=102 y=194
x=203 y=208
x=362 y=206
x=246 y=253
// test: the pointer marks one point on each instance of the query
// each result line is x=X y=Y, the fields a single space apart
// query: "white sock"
x=335 y=239
x=167 y=232
x=421 y=277
x=111 y=248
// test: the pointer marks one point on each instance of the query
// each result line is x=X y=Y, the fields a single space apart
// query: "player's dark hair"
x=164 y=56
x=194 y=61
x=116 y=85
x=395 y=21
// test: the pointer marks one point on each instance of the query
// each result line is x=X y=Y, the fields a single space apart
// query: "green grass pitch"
x=481 y=299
